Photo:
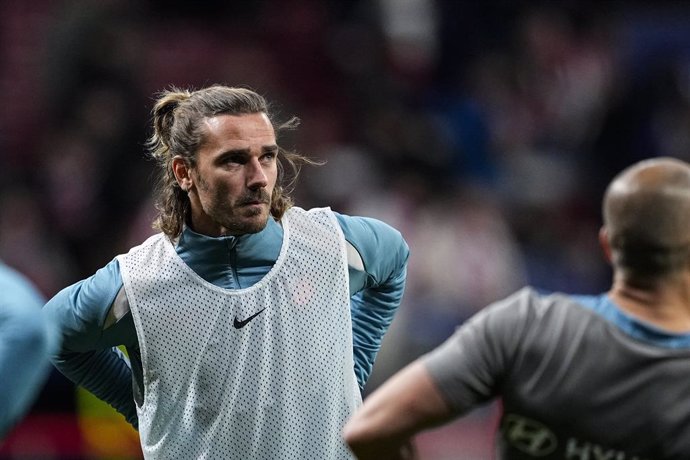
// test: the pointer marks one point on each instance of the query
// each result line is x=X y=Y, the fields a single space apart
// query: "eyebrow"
x=265 y=149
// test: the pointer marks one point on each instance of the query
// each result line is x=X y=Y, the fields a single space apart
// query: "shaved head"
x=647 y=217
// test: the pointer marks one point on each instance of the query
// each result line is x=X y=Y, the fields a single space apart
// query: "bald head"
x=647 y=216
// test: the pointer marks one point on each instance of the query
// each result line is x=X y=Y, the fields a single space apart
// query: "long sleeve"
x=25 y=342
x=377 y=289
x=89 y=355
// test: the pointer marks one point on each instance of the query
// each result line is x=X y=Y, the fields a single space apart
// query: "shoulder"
x=87 y=300
x=521 y=319
x=366 y=224
x=154 y=250
x=154 y=241
x=382 y=248
x=531 y=304
x=370 y=233
x=535 y=320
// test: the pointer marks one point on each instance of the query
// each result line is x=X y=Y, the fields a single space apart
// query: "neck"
x=665 y=304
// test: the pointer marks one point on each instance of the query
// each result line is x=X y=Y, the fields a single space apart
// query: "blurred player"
x=580 y=377
x=251 y=325
x=25 y=343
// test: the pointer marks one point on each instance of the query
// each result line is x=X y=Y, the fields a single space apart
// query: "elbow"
x=355 y=437
x=362 y=432
x=351 y=434
x=367 y=443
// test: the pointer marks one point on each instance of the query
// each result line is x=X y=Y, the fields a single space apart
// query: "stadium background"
x=484 y=130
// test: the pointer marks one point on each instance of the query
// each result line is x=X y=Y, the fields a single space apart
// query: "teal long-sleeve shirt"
x=25 y=343
x=83 y=311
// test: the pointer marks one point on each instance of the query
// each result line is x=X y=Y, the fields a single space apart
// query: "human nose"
x=256 y=176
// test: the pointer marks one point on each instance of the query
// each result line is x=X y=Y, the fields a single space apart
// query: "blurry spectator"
x=26 y=340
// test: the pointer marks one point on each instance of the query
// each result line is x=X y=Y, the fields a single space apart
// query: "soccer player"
x=580 y=377
x=251 y=325
x=25 y=343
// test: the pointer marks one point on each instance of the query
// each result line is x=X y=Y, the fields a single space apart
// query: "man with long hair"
x=251 y=325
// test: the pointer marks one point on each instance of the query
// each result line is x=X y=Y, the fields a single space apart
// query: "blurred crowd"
x=484 y=130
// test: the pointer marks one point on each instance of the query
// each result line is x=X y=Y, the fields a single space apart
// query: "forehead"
x=238 y=131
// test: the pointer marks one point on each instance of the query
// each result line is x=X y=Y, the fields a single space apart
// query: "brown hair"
x=178 y=131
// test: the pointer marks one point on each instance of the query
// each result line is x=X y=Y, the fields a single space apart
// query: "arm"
x=377 y=286
x=25 y=342
x=88 y=355
x=406 y=404
x=465 y=371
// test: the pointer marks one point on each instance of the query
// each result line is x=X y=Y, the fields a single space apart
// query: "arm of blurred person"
x=25 y=343
x=376 y=285
x=404 y=405
x=462 y=373
x=89 y=356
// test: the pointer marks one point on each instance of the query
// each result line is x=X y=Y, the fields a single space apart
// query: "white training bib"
x=264 y=372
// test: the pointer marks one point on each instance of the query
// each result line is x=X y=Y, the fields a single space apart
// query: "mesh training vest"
x=264 y=372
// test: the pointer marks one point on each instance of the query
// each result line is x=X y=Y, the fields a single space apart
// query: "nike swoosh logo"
x=240 y=324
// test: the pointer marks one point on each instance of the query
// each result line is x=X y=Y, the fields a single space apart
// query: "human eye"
x=233 y=159
x=269 y=156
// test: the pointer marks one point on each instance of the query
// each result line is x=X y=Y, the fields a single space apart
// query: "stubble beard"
x=237 y=219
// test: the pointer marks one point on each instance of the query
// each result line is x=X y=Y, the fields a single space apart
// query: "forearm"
x=105 y=373
x=88 y=355
x=405 y=405
x=369 y=325
x=377 y=284
x=373 y=311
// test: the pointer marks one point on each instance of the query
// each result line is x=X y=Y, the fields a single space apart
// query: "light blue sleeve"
x=25 y=343
x=377 y=292
x=87 y=356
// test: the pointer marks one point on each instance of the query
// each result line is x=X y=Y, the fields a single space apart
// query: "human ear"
x=182 y=172
x=605 y=244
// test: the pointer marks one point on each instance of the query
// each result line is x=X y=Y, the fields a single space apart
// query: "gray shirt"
x=578 y=379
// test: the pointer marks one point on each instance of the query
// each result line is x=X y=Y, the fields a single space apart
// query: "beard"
x=234 y=216
x=247 y=214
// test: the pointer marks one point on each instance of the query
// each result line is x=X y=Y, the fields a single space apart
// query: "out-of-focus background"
x=485 y=131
